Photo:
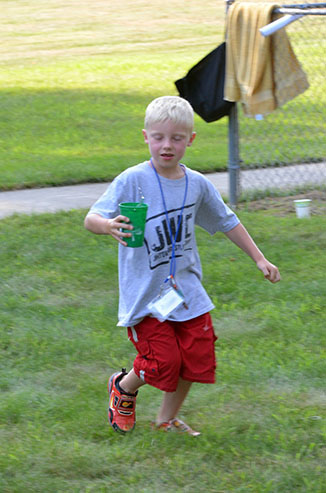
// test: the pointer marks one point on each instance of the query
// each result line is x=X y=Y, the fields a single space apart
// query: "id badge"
x=164 y=304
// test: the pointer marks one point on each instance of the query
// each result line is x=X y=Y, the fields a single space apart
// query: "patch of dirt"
x=283 y=206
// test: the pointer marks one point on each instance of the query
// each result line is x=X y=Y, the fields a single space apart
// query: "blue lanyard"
x=173 y=239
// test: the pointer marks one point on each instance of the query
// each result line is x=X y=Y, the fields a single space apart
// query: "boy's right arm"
x=102 y=226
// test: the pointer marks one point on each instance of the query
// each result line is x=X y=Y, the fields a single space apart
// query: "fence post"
x=234 y=159
x=233 y=148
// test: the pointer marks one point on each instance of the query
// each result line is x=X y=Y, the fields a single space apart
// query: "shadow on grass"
x=55 y=137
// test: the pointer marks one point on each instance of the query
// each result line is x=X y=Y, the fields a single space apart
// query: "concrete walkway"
x=66 y=198
x=54 y=199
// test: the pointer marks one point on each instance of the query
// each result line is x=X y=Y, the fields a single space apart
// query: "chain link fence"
x=286 y=150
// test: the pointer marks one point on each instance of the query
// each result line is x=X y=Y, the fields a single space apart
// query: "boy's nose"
x=167 y=143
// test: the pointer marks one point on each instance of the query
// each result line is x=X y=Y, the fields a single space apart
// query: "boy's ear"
x=192 y=138
x=145 y=135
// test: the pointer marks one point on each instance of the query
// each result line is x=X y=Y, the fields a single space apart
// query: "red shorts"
x=169 y=350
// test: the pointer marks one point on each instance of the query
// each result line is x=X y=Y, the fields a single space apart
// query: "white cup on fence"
x=302 y=207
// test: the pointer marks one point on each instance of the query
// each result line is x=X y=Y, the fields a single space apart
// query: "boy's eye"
x=175 y=138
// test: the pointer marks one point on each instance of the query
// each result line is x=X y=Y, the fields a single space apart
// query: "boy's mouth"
x=166 y=155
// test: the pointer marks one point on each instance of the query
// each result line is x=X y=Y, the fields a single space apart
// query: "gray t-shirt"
x=143 y=270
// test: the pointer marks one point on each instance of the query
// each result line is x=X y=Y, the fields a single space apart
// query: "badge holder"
x=165 y=303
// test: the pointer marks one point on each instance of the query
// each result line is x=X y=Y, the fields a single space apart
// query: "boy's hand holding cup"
x=135 y=213
x=114 y=228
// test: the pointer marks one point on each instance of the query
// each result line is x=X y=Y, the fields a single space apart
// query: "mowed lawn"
x=263 y=423
x=75 y=80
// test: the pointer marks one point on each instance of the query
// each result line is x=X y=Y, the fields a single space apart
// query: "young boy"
x=176 y=348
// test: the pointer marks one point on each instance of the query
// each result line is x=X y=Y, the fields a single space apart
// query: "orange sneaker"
x=121 y=414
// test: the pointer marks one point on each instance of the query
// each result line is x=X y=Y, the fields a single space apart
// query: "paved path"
x=56 y=199
x=51 y=199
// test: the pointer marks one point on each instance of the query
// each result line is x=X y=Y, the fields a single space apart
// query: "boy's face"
x=167 y=143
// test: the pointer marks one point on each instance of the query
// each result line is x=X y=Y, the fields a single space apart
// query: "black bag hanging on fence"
x=203 y=86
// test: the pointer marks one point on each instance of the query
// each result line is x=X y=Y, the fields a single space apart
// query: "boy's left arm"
x=240 y=236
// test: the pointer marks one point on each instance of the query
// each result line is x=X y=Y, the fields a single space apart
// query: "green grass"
x=73 y=100
x=75 y=81
x=263 y=423
x=83 y=136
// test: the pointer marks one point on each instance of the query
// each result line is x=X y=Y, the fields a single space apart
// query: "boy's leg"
x=196 y=340
x=172 y=402
x=130 y=383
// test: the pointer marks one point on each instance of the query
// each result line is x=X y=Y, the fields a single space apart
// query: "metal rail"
x=299 y=11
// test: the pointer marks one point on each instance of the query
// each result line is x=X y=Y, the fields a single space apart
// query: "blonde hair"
x=173 y=108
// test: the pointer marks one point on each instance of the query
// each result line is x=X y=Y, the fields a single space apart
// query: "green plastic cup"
x=136 y=212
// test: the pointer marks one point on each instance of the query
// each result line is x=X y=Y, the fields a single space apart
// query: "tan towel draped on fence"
x=261 y=72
